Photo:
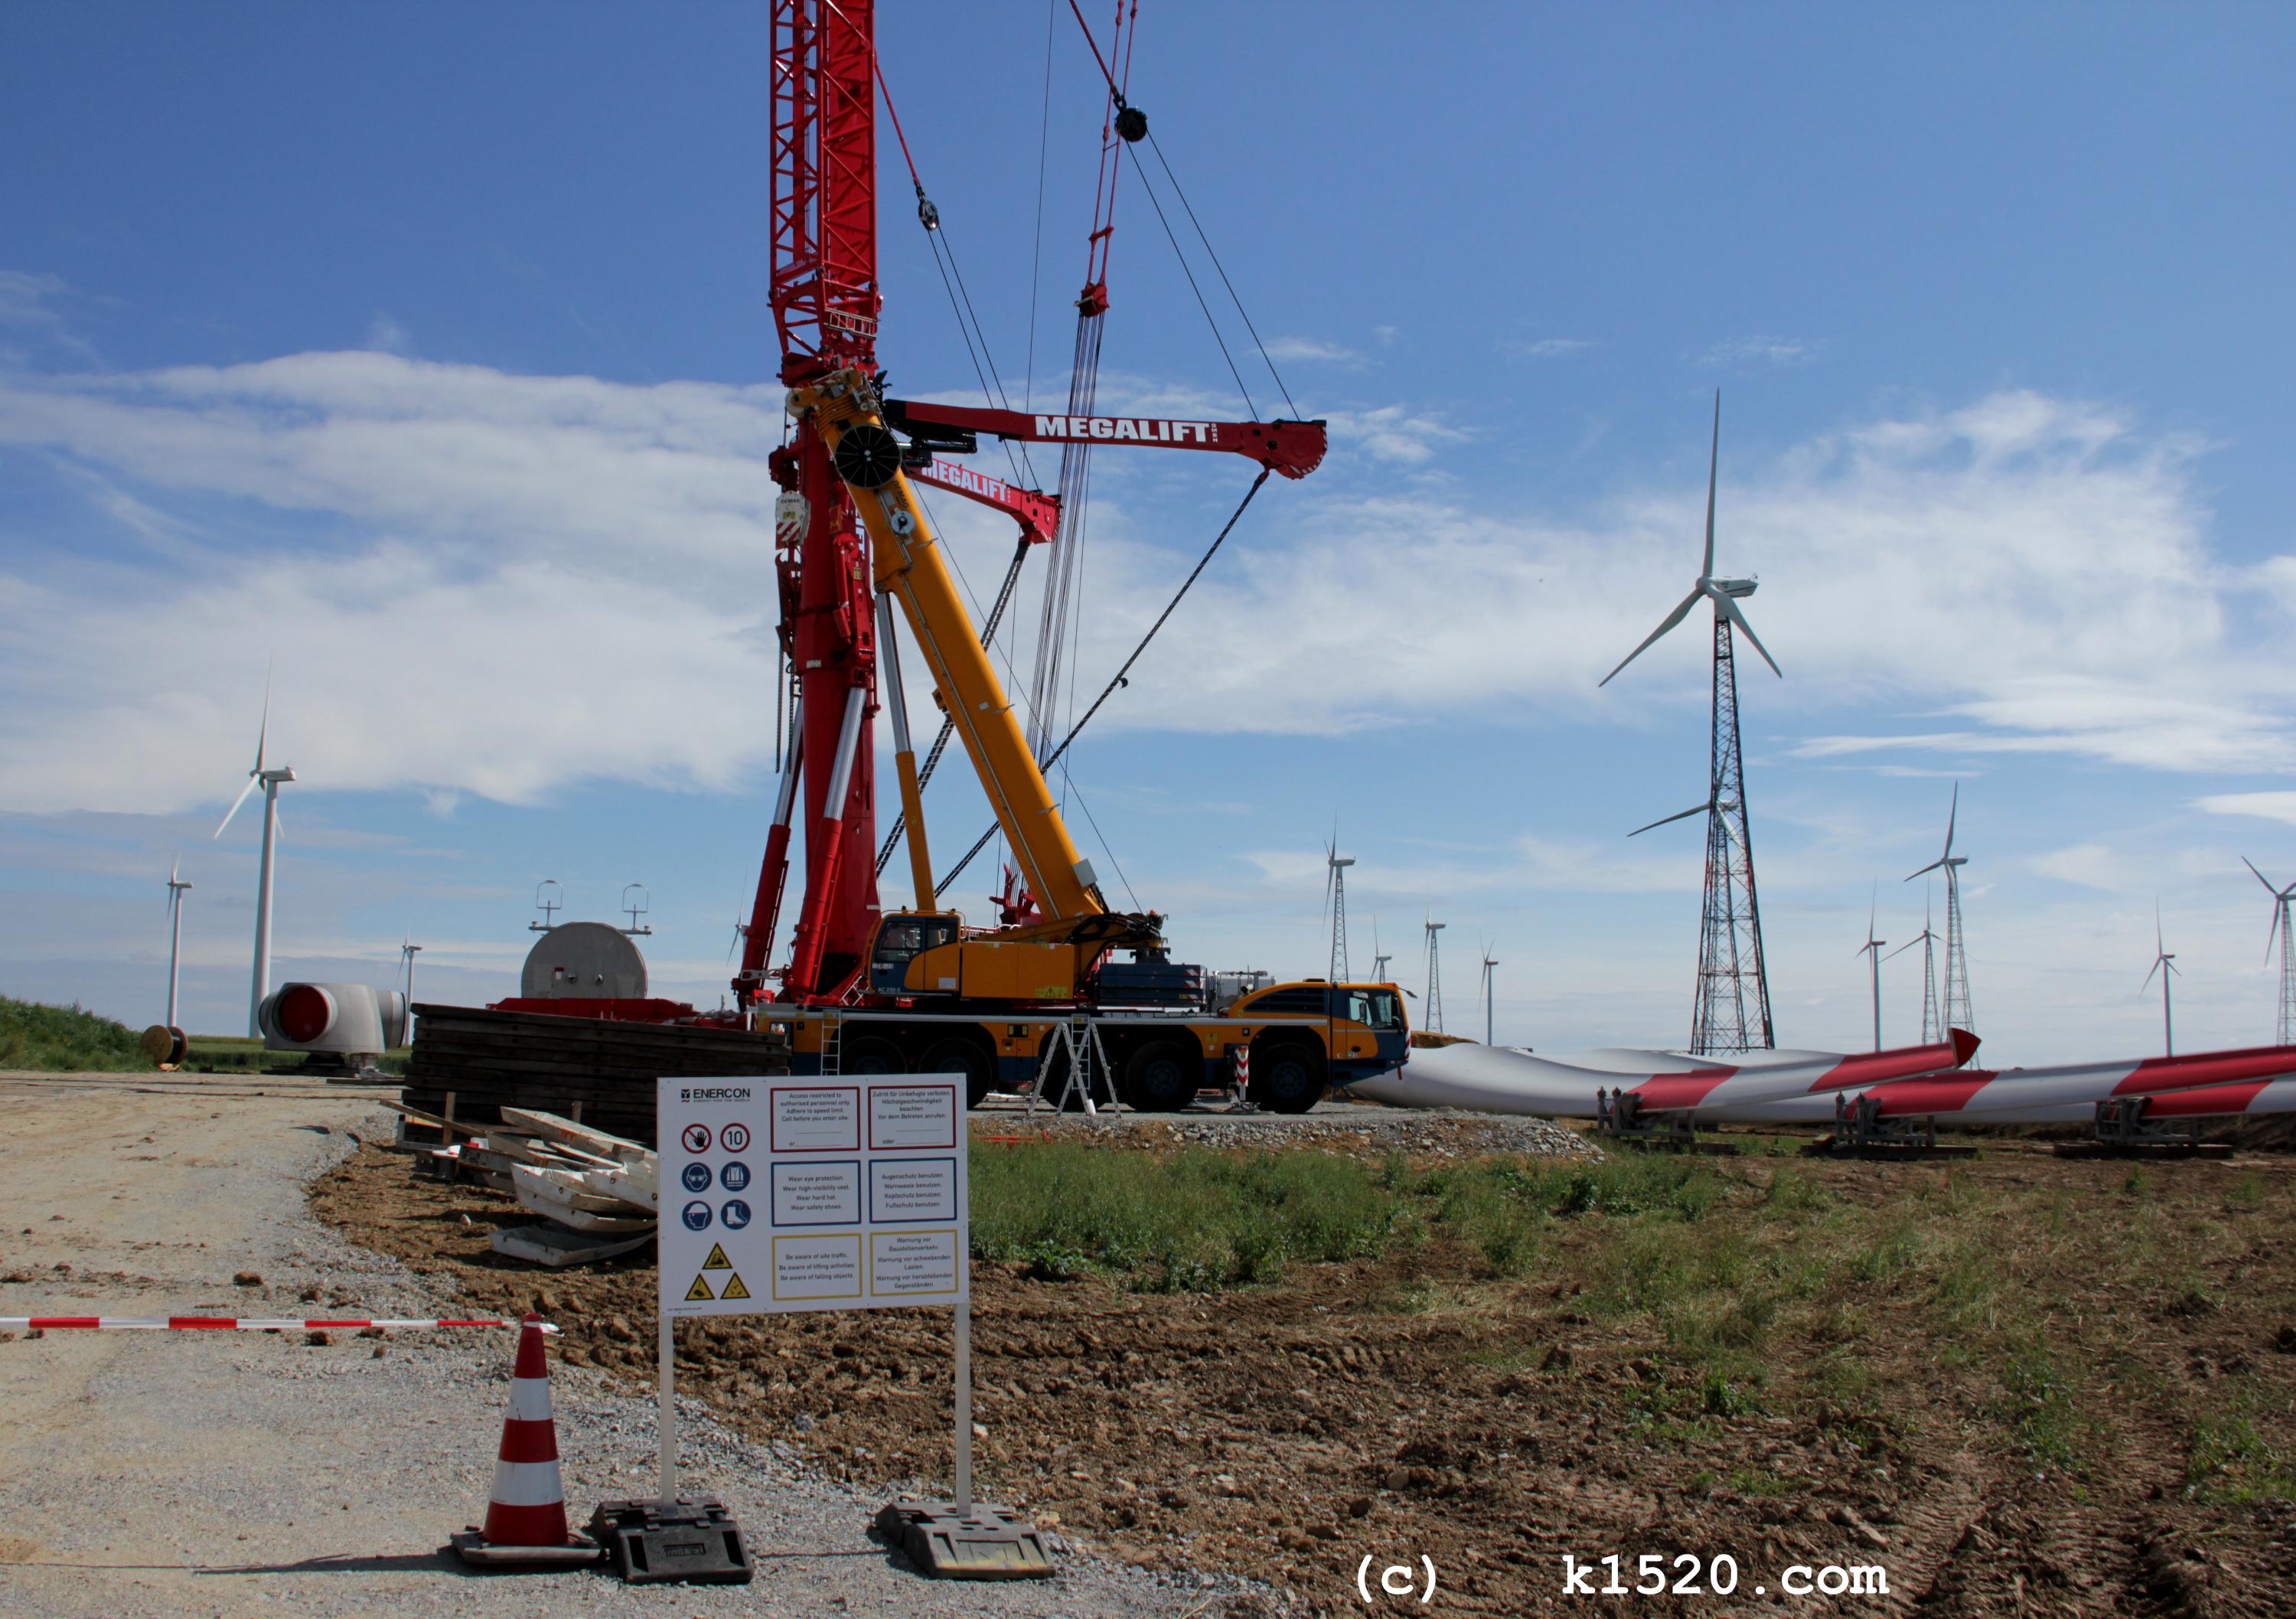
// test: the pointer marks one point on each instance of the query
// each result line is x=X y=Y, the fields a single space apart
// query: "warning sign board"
x=836 y=1192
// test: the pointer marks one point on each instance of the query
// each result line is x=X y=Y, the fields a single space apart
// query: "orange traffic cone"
x=526 y=1518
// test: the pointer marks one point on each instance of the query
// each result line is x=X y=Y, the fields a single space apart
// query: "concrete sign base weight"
x=691 y=1541
x=985 y=1543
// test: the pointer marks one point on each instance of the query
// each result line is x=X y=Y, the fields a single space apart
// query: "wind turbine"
x=408 y=951
x=269 y=781
x=1957 y=1014
x=1490 y=986
x=1335 y=895
x=1379 y=958
x=1434 y=1007
x=1927 y=940
x=1872 y=947
x=1731 y=1011
x=2162 y=956
x=177 y=887
x=2280 y=930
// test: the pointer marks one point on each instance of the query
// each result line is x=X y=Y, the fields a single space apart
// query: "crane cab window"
x=1374 y=1008
x=901 y=937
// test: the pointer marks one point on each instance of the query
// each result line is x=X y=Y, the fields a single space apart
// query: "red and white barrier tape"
x=216 y=1323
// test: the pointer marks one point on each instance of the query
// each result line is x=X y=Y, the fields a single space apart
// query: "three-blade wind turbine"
x=1379 y=958
x=175 y=889
x=1927 y=940
x=1872 y=947
x=1731 y=1010
x=1490 y=988
x=268 y=780
x=1957 y=1014
x=2162 y=958
x=1433 y=1006
x=2280 y=931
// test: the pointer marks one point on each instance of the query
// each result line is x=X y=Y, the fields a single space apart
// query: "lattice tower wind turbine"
x=177 y=888
x=2280 y=931
x=1434 y=1007
x=1730 y=1010
x=1379 y=958
x=1335 y=889
x=2164 y=962
x=269 y=780
x=1927 y=940
x=1956 y=1012
x=1872 y=948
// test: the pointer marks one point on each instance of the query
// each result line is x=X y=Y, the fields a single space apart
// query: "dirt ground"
x=2016 y=1383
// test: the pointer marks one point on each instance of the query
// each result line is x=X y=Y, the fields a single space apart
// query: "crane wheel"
x=968 y=1057
x=1286 y=1078
x=872 y=1056
x=1162 y=1077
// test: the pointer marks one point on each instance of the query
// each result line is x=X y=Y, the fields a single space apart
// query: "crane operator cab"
x=901 y=937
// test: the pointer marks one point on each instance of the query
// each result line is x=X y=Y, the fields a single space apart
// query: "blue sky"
x=423 y=351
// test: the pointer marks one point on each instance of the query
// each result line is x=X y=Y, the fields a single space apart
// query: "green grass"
x=65 y=1039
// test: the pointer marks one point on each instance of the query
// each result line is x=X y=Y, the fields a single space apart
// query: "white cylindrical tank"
x=588 y=960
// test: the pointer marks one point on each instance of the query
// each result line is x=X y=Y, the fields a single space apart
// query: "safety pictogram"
x=696 y=1138
x=734 y=1289
x=717 y=1259
x=737 y=1138
x=696 y=1177
x=700 y=1290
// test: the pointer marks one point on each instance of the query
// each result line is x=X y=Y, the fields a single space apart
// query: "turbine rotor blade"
x=1665 y=624
x=2261 y=877
x=2148 y=979
x=1713 y=467
x=1951 y=815
x=236 y=803
x=1901 y=950
x=1730 y=612
x=1933 y=866
x=2273 y=932
x=1695 y=810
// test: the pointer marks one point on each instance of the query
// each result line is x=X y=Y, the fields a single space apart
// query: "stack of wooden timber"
x=597 y=1071
x=600 y=1193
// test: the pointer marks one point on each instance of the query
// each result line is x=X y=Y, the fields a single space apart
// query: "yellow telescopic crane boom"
x=910 y=569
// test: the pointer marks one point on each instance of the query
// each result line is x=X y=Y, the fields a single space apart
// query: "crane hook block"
x=868 y=456
x=1131 y=123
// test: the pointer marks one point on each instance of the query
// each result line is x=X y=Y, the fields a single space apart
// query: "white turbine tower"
x=1927 y=940
x=2162 y=958
x=1957 y=1014
x=268 y=780
x=175 y=889
x=1434 y=1004
x=1872 y=947
x=2280 y=931
x=408 y=951
x=1490 y=986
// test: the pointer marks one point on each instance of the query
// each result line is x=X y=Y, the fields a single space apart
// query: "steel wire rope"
x=1117 y=679
x=1170 y=236
x=1044 y=153
x=1179 y=191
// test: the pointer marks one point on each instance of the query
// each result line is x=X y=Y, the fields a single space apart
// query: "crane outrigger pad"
x=987 y=1543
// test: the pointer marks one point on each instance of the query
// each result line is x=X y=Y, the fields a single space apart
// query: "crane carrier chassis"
x=1296 y=1041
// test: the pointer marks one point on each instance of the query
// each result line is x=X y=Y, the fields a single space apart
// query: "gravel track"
x=239 y=1474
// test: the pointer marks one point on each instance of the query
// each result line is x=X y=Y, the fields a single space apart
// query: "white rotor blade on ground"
x=1680 y=612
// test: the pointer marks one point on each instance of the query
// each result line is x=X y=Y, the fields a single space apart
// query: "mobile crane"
x=866 y=991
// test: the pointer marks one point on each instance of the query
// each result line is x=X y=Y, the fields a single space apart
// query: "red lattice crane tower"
x=825 y=302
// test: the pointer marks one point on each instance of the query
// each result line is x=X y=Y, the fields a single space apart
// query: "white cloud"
x=2265 y=806
x=1770 y=351
x=28 y=305
x=1285 y=350
x=385 y=334
x=1554 y=348
x=2088 y=865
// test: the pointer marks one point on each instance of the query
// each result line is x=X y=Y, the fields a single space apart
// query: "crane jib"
x=1293 y=448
